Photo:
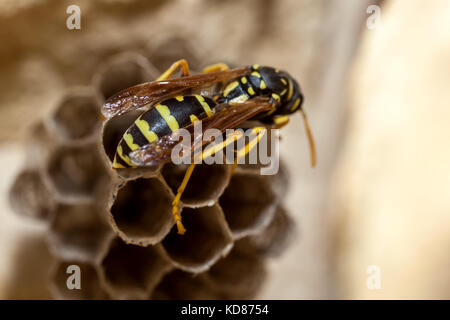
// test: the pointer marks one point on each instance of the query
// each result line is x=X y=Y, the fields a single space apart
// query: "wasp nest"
x=117 y=226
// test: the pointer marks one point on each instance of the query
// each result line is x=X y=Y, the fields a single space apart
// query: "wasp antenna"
x=312 y=145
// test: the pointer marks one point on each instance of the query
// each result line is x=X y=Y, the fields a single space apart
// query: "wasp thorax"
x=261 y=81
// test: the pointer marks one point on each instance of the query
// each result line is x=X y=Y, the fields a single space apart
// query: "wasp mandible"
x=252 y=92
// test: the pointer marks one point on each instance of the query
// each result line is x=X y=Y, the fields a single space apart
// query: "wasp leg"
x=259 y=133
x=183 y=64
x=280 y=121
x=216 y=67
x=219 y=146
x=176 y=201
x=206 y=153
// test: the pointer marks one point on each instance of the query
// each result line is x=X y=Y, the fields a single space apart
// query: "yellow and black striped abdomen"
x=162 y=119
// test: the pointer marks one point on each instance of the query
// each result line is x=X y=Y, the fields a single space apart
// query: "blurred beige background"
x=376 y=100
x=390 y=187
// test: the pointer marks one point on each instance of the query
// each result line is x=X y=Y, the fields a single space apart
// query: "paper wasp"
x=220 y=98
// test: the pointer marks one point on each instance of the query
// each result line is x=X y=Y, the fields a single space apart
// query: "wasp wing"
x=226 y=117
x=146 y=93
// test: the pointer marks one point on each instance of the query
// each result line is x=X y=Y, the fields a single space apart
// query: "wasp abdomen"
x=162 y=119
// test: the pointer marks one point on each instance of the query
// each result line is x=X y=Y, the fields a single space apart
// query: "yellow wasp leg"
x=175 y=202
x=259 y=132
x=280 y=121
x=208 y=152
x=171 y=70
x=219 y=146
x=216 y=67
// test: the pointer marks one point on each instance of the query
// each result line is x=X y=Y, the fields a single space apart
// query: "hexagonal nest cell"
x=142 y=211
x=79 y=232
x=239 y=275
x=248 y=204
x=77 y=172
x=206 y=240
x=117 y=225
x=90 y=287
x=133 y=271
x=276 y=236
x=77 y=116
x=206 y=184
x=180 y=285
x=163 y=54
x=123 y=71
x=31 y=197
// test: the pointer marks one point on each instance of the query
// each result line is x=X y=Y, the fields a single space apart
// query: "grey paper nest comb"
x=118 y=226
